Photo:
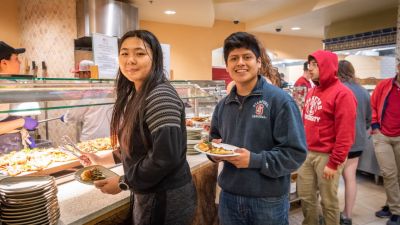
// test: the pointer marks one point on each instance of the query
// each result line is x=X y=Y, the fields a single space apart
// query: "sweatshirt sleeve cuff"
x=332 y=165
x=117 y=156
x=210 y=159
x=375 y=126
x=255 y=160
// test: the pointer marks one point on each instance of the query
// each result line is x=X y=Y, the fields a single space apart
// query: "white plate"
x=15 y=185
x=21 y=201
x=18 y=209
x=194 y=129
x=106 y=172
x=225 y=146
x=30 y=194
x=193 y=142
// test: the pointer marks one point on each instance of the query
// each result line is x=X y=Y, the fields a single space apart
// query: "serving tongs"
x=68 y=142
x=69 y=151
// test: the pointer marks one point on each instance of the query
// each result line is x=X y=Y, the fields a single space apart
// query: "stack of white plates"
x=193 y=138
x=29 y=200
x=190 y=147
x=194 y=133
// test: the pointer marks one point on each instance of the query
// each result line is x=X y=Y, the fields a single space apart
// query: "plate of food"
x=89 y=174
x=214 y=149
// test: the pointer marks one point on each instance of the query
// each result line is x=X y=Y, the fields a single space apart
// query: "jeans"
x=236 y=209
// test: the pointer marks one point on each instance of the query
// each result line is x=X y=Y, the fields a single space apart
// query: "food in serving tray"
x=207 y=146
x=27 y=160
x=92 y=175
x=199 y=119
x=95 y=145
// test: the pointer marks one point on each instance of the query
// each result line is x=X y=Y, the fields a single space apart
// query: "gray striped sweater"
x=163 y=165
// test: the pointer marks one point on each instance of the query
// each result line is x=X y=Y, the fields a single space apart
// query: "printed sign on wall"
x=105 y=55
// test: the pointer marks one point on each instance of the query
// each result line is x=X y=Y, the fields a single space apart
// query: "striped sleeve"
x=163 y=108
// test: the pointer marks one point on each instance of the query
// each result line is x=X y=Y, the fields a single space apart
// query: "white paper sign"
x=166 y=60
x=105 y=55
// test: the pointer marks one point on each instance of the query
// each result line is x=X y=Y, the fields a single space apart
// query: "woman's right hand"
x=88 y=159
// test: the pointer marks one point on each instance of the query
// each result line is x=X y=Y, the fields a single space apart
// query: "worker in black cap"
x=9 y=62
x=11 y=138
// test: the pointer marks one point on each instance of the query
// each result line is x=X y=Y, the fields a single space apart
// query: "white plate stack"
x=29 y=200
x=193 y=138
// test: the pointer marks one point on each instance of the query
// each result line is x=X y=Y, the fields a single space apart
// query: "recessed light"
x=169 y=12
x=295 y=28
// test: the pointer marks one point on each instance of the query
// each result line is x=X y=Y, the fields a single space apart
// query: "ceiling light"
x=169 y=12
x=296 y=28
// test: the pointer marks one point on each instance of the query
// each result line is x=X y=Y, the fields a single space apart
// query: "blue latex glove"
x=30 y=124
x=62 y=118
x=32 y=144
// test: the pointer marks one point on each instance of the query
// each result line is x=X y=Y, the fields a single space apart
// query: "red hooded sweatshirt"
x=329 y=114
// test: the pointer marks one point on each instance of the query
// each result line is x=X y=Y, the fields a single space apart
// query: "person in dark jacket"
x=386 y=135
x=329 y=117
x=264 y=123
x=346 y=75
x=149 y=123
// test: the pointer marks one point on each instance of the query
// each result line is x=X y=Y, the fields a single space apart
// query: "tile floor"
x=370 y=198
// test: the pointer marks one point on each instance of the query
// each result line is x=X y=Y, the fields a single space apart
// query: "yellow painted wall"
x=290 y=47
x=191 y=47
x=9 y=23
x=371 y=22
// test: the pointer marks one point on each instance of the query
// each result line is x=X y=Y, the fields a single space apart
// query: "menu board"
x=105 y=55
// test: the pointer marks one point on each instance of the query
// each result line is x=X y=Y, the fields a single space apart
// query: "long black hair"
x=129 y=106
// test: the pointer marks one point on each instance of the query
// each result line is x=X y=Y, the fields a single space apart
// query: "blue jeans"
x=241 y=210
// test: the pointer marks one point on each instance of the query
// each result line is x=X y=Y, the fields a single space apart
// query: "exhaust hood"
x=109 y=17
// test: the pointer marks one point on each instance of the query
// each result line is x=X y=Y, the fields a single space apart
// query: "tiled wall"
x=48 y=30
x=380 y=37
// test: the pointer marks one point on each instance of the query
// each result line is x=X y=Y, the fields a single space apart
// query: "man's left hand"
x=240 y=161
x=329 y=173
x=109 y=185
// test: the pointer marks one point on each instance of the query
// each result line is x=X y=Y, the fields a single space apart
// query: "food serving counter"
x=81 y=203
x=84 y=204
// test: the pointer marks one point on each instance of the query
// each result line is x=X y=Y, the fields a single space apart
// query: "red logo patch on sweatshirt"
x=312 y=105
x=260 y=109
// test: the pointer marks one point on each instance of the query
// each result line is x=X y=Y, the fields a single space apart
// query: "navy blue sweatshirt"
x=269 y=125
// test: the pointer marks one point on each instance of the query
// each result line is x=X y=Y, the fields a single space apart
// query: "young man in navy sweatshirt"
x=265 y=124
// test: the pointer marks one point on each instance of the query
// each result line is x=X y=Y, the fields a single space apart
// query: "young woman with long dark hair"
x=346 y=75
x=148 y=123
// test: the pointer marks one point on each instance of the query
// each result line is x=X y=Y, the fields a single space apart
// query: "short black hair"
x=6 y=57
x=305 y=66
x=241 y=40
x=310 y=57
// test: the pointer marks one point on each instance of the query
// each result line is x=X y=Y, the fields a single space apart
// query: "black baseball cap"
x=6 y=50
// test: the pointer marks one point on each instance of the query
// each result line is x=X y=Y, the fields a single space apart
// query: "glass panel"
x=21 y=78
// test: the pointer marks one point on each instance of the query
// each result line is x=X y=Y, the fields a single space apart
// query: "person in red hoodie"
x=386 y=135
x=305 y=79
x=329 y=117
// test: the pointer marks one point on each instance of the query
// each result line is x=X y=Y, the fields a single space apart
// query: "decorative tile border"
x=381 y=37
